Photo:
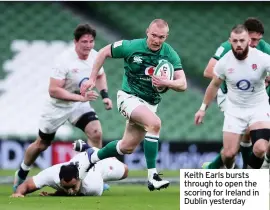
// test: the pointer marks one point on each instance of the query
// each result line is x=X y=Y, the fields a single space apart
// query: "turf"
x=126 y=197
x=132 y=173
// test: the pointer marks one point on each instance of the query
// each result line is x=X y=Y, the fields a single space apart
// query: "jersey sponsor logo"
x=254 y=67
x=117 y=44
x=149 y=70
x=244 y=85
x=137 y=59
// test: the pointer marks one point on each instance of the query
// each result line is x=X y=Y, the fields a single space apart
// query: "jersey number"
x=244 y=85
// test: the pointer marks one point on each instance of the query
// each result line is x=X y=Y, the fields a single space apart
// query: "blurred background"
x=34 y=33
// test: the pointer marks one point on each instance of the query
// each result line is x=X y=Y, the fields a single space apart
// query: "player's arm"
x=104 y=53
x=208 y=72
x=115 y=50
x=211 y=91
x=209 y=96
x=57 y=193
x=26 y=187
x=101 y=82
x=179 y=82
x=56 y=90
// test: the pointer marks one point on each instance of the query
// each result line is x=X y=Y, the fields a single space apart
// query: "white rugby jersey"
x=245 y=79
x=68 y=66
x=50 y=176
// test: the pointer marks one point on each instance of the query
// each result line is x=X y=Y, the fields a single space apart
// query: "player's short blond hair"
x=160 y=23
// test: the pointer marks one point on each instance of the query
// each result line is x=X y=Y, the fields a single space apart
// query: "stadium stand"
x=30 y=44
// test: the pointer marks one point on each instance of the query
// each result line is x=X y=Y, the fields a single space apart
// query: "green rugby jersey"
x=139 y=64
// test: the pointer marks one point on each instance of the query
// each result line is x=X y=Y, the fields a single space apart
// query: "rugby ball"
x=168 y=69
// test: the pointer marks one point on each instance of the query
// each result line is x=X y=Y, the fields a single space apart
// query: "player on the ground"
x=256 y=32
x=73 y=177
x=244 y=69
x=138 y=100
x=66 y=103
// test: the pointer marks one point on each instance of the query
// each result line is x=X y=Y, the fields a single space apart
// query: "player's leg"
x=94 y=133
x=126 y=105
x=150 y=145
x=145 y=120
x=112 y=169
x=133 y=135
x=260 y=134
x=92 y=184
x=85 y=118
x=216 y=163
x=231 y=144
x=32 y=152
x=246 y=148
x=51 y=119
x=152 y=124
x=233 y=130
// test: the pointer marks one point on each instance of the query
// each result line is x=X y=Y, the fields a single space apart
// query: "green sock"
x=110 y=150
x=217 y=163
x=246 y=150
x=150 y=145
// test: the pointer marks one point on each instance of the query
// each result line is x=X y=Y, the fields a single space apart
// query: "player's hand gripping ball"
x=164 y=68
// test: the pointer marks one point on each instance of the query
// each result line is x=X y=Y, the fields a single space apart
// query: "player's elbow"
x=182 y=86
x=207 y=74
x=52 y=91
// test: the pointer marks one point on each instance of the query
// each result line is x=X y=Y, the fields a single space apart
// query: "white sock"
x=25 y=167
x=118 y=148
x=151 y=172
x=244 y=144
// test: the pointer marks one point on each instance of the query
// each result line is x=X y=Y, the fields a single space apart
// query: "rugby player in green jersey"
x=137 y=101
x=256 y=31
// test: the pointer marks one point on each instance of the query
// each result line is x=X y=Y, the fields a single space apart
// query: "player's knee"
x=260 y=134
x=44 y=140
x=229 y=153
x=154 y=126
x=259 y=148
x=127 y=148
x=95 y=136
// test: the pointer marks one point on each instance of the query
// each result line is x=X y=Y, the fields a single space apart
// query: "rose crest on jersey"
x=254 y=67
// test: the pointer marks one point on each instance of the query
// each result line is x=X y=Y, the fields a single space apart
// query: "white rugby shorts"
x=126 y=103
x=238 y=122
x=53 y=117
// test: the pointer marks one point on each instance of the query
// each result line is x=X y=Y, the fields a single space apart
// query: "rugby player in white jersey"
x=73 y=177
x=65 y=103
x=244 y=69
